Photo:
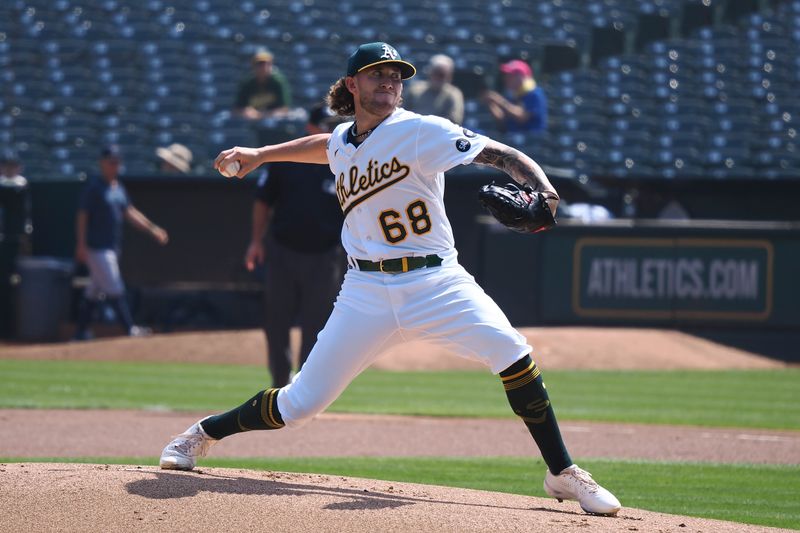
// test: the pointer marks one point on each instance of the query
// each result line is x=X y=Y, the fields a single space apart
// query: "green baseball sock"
x=259 y=412
x=529 y=400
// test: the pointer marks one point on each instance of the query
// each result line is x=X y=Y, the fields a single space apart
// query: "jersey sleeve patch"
x=442 y=145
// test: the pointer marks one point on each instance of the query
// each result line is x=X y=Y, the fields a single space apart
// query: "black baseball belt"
x=400 y=264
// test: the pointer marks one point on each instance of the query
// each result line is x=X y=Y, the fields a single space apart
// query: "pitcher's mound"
x=77 y=497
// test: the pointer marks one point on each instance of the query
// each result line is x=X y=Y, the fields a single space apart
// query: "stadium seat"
x=113 y=67
x=679 y=169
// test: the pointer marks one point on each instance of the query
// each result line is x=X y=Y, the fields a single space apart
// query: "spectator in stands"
x=11 y=169
x=437 y=95
x=585 y=212
x=174 y=159
x=266 y=93
x=103 y=205
x=303 y=257
x=523 y=107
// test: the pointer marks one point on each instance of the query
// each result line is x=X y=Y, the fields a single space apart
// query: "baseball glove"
x=518 y=207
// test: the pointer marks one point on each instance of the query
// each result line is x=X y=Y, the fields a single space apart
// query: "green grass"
x=767 y=399
x=755 y=399
x=753 y=494
x=765 y=495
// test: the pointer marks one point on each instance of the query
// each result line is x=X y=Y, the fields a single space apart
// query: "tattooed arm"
x=520 y=167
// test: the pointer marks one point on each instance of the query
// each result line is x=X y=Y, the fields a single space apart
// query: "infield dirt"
x=70 y=497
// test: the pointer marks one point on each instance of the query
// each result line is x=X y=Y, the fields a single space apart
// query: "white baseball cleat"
x=574 y=483
x=183 y=451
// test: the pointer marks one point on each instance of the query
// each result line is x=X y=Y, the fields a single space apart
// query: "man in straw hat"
x=174 y=159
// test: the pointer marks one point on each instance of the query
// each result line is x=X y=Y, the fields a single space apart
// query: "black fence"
x=200 y=278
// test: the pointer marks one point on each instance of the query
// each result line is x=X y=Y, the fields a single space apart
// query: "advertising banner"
x=684 y=278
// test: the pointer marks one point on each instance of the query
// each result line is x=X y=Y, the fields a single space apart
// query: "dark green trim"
x=396 y=265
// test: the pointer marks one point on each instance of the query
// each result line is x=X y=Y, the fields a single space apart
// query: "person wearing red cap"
x=523 y=108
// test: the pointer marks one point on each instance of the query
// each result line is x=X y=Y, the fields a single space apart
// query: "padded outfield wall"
x=738 y=274
x=647 y=273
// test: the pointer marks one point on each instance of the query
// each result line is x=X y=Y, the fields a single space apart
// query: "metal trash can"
x=43 y=297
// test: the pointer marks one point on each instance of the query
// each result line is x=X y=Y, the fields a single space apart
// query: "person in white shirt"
x=437 y=95
x=11 y=169
x=404 y=282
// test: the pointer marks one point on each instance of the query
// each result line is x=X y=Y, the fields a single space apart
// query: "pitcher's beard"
x=380 y=109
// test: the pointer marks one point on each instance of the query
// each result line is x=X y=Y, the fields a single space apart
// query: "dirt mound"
x=70 y=497
x=554 y=348
x=597 y=348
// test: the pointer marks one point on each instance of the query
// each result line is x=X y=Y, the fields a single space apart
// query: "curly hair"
x=340 y=99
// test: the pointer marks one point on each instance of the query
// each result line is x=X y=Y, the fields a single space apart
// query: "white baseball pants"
x=375 y=311
x=104 y=274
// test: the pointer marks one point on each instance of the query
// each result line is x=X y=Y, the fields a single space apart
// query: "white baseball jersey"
x=391 y=187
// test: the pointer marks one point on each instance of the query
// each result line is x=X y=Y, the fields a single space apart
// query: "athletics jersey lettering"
x=359 y=186
x=391 y=186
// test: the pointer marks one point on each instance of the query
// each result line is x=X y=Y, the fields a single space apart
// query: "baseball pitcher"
x=404 y=281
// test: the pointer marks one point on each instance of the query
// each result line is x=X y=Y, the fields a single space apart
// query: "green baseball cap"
x=370 y=54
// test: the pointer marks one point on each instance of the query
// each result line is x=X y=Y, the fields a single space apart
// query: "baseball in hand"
x=229 y=169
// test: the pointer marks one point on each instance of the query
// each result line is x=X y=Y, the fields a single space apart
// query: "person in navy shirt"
x=103 y=206
x=296 y=207
x=523 y=108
